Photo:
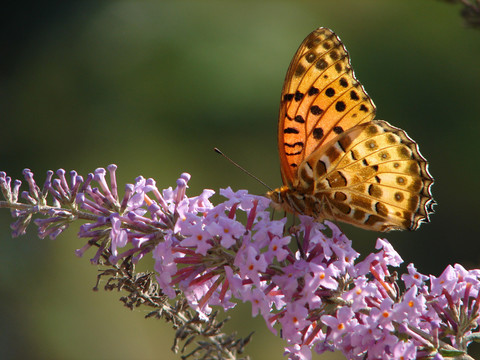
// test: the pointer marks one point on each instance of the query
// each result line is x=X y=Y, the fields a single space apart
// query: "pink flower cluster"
x=319 y=295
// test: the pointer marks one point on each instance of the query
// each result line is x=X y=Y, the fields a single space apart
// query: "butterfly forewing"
x=336 y=161
x=320 y=99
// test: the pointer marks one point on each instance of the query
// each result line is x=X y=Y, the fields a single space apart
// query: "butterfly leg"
x=333 y=219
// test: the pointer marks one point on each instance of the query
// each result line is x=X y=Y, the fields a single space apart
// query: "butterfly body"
x=337 y=162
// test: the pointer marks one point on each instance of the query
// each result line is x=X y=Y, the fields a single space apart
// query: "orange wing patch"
x=321 y=98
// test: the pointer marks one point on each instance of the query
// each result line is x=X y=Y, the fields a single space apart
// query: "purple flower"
x=259 y=301
x=297 y=352
x=165 y=265
x=412 y=304
x=340 y=324
x=288 y=279
x=404 y=350
x=118 y=236
x=251 y=264
x=293 y=321
x=384 y=314
x=320 y=275
x=445 y=282
x=197 y=238
x=413 y=277
x=228 y=230
x=277 y=248
x=390 y=255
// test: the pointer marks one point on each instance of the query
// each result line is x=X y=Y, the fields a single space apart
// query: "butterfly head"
x=289 y=200
x=279 y=199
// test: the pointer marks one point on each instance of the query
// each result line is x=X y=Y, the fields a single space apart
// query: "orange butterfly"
x=337 y=162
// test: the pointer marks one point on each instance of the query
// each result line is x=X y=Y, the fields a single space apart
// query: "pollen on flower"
x=251 y=267
x=347 y=259
x=416 y=276
x=359 y=291
x=295 y=319
x=322 y=276
x=385 y=314
x=226 y=231
x=199 y=237
x=274 y=247
x=340 y=326
x=410 y=303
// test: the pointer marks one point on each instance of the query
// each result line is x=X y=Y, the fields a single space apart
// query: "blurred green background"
x=153 y=86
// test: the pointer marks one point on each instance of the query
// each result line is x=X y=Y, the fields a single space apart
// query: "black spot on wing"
x=313 y=91
x=298 y=144
x=334 y=55
x=317 y=133
x=340 y=106
x=330 y=92
x=299 y=119
x=310 y=57
x=299 y=96
x=315 y=110
x=321 y=64
x=300 y=70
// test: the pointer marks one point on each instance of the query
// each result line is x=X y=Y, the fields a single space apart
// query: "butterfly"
x=337 y=162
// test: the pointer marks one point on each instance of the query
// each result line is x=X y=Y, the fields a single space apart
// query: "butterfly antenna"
x=241 y=168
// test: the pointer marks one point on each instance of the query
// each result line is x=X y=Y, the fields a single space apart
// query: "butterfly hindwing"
x=372 y=176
